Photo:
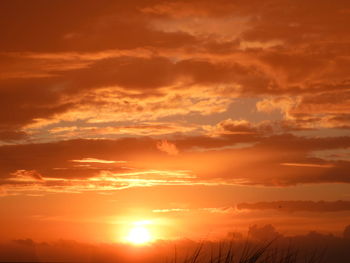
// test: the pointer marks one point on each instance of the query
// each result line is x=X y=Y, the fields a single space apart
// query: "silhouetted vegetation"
x=250 y=253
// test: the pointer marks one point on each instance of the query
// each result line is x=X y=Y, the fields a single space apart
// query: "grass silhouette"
x=258 y=253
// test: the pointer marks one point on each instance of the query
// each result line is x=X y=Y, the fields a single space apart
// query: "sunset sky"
x=190 y=119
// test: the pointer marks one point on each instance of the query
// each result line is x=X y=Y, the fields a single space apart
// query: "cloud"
x=264 y=233
x=216 y=210
x=167 y=147
x=100 y=49
x=94 y=160
x=74 y=251
x=230 y=126
x=284 y=104
x=295 y=206
x=25 y=175
x=256 y=164
x=288 y=206
x=309 y=165
x=346 y=233
x=31 y=183
x=317 y=111
x=161 y=69
x=12 y=135
x=170 y=210
x=99 y=129
x=90 y=30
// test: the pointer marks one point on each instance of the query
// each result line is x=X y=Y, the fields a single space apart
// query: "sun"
x=139 y=235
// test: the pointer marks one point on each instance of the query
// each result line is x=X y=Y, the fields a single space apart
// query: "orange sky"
x=202 y=117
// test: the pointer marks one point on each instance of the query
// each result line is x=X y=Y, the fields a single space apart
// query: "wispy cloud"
x=214 y=210
x=312 y=165
x=294 y=206
x=31 y=182
x=167 y=147
x=94 y=160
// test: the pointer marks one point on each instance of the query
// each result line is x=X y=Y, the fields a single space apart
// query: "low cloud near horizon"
x=72 y=251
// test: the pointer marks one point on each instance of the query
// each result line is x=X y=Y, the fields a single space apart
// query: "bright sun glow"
x=139 y=235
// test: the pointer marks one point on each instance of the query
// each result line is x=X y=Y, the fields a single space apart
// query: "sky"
x=195 y=119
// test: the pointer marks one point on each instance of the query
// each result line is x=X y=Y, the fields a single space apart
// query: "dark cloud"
x=304 y=247
x=294 y=206
x=278 y=162
x=182 y=52
x=23 y=101
x=12 y=135
x=264 y=233
x=44 y=158
x=86 y=26
x=346 y=233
